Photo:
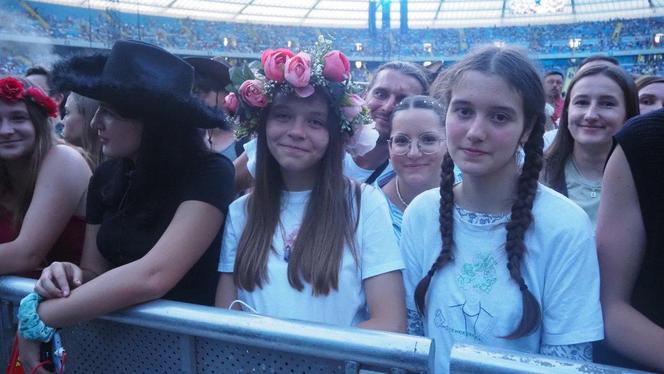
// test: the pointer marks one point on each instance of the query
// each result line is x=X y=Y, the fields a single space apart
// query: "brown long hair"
x=24 y=188
x=329 y=223
x=563 y=145
x=87 y=108
x=516 y=69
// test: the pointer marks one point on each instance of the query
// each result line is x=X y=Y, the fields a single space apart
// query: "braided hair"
x=515 y=68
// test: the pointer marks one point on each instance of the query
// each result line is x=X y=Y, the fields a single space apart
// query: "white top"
x=585 y=193
x=549 y=137
x=377 y=250
x=351 y=169
x=473 y=299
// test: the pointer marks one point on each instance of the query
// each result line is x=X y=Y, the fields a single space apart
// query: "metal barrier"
x=171 y=337
x=476 y=359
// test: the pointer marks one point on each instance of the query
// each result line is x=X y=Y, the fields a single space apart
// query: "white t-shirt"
x=549 y=137
x=351 y=169
x=377 y=250
x=473 y=300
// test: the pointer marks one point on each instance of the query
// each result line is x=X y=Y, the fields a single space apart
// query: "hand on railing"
x=58 y=279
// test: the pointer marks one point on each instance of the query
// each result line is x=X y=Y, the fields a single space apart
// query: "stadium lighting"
x=658 y=37
x=428 y=47
x=574 y=43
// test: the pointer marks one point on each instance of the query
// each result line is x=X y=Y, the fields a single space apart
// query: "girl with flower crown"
x=308 y=243
x=504 y=261
x=42 y=184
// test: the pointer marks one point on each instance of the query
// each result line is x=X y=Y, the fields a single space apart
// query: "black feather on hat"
x=141 y=79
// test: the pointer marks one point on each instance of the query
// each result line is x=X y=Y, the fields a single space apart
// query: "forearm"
x=374 y=158
x=17 y=258
x=385 y=323
x=113 y=290
x=632 y=334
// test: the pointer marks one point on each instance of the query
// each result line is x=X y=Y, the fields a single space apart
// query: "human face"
x=17 y=133
x=414 y=167
x=120 y=137
x=651 y=97
x=74 y=122
x=40 y=81
x=553 y=86
x=484 y=125
x=389 y=88
x=596 y=110
x=213 y=99
x=297 y=137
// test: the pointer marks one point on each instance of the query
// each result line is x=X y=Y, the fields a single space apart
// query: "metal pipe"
x=467 y=358
x=384 y=349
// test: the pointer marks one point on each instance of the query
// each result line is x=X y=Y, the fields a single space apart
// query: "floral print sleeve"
x=415 y=325
x=577 y=352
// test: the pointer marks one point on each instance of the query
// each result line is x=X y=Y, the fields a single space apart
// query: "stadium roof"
x=354 y=13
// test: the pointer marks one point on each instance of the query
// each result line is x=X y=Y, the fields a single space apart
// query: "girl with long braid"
x=504 y=262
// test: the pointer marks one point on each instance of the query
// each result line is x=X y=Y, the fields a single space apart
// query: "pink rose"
x=252 y=92
x=352 y=107
x=298 y=72
x=336 y=66
x=273 y=63
x=231 y=103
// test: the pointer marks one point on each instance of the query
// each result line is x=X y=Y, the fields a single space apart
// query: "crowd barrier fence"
x=171 y=337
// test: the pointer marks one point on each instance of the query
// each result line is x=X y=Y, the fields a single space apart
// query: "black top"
x=642 y=140
x=126 y=236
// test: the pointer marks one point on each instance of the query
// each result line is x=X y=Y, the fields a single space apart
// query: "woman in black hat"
x=154 y=209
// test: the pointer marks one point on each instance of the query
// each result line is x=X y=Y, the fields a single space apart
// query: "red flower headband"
x=13 y=90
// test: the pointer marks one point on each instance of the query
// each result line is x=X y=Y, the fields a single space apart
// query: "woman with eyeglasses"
x=417 y=147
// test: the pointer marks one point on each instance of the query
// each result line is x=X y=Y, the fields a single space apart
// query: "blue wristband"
x=30 y=326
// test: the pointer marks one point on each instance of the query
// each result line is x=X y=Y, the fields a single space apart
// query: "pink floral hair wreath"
x=254 y=86
x=13 y=90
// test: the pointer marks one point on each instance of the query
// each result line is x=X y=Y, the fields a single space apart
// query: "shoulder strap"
x=376 y=173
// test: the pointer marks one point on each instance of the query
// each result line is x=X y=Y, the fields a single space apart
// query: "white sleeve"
x=378 y=244
x=571 y=310
x=411 y=251
x=353 y=171
x=250 y=150
x=229 y=241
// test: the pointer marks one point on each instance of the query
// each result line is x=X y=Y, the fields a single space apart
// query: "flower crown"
x=255 y=85
x=13 y=90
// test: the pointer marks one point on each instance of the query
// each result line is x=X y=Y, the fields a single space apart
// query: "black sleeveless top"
x=642 y=140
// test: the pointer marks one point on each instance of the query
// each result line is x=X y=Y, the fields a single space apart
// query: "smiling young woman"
x=43 y=184
x=308 y=243
x=599 y=101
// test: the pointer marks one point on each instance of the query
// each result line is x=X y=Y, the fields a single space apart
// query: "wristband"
x=30 y=326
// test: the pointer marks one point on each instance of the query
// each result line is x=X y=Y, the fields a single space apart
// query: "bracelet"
x=30 y=326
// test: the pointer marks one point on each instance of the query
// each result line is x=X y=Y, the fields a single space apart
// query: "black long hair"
x=166 y=152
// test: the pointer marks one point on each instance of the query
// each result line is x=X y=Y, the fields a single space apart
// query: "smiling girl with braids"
x=504 y=262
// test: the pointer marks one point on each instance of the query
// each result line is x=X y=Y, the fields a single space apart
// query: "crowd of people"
x=523 y=217
x=104 y=26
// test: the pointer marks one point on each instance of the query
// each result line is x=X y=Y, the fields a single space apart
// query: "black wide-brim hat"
x=212 y=70
x=141 y=79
